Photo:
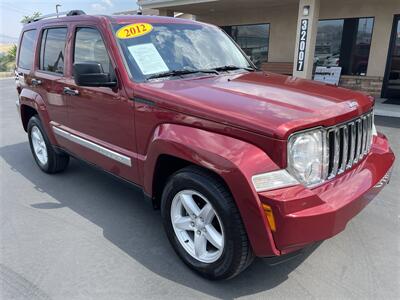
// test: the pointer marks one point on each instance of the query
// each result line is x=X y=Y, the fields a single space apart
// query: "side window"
x=89 y=47
x=52 y=50
x=27 y=50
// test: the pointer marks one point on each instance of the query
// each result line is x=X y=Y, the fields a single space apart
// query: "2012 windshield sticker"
x=134 y=30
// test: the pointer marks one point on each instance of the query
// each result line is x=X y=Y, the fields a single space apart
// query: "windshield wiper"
x=181 y=72
x=232 y=68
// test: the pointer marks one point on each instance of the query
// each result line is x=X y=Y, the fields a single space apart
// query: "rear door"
x=100 y=119
x=48 y=78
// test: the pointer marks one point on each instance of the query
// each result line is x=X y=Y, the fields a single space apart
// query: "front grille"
x=348 y=144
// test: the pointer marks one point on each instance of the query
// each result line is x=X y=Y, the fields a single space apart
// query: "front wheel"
x=203 y=224
x=48 y=160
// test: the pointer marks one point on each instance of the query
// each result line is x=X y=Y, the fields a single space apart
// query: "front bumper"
x=304 y=216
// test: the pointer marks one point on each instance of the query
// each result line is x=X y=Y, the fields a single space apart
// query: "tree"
x=12 y=52
x=27 y=19
x=7 y=61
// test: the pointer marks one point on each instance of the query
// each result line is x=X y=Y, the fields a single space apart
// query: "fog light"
x=270 y=216
x=273 y=180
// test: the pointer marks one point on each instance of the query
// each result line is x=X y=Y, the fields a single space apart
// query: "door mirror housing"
x=92 y=74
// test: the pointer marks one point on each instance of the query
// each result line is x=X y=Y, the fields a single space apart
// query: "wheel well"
x=166 y=166
x=27 y=112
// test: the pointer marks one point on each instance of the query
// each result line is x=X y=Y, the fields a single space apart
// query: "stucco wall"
x=283 y=22
x=383 y=12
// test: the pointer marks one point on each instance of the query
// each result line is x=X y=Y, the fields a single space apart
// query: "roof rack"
x=75 y=12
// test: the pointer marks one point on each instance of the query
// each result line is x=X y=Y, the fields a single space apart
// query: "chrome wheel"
x=197 y=226
x=39 y=145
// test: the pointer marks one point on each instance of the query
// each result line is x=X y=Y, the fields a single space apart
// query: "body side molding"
x=93 y=146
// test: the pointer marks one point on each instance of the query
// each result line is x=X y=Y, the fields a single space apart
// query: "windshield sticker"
x=134 y=30
x=148 y=58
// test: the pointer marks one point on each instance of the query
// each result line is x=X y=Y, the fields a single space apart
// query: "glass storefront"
x=253 y=39
x=345 y=43
x=392 y=76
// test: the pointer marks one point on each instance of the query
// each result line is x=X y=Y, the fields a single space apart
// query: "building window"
x=253 y=39
x=345 y=43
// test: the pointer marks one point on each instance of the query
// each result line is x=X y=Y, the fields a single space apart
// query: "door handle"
x=36 y=82
x=71 y=92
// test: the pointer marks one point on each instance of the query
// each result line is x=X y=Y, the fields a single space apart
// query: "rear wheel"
x=203 y=224
x=48 y=160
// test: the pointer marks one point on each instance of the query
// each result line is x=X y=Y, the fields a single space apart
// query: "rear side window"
x=89 y=47
x=26 y=51
x=52 y=50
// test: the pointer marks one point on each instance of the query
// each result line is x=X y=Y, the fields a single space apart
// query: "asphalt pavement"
x=84 y=234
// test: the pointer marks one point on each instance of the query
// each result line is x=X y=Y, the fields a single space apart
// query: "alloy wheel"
x=197 y=226
x=39 y=145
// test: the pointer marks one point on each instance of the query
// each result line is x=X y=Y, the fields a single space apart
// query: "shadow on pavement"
x=387 y=121
x=130 y=223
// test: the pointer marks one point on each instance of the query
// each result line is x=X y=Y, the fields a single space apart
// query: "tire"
x=48 y=160
x=216 y=262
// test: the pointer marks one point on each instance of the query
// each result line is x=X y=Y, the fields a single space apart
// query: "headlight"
x=306 y=157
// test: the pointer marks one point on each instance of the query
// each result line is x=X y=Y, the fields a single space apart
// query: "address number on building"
x=302 y=45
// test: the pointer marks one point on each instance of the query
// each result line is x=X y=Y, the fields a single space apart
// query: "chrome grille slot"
x=348 y=143
x=345 y=140
x=370 y=124
x=358 y=140
x=352 y=142
x=364 y=136
x=334 y=147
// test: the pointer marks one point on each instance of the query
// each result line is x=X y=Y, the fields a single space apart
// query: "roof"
x=123 y=19
x=149 y=19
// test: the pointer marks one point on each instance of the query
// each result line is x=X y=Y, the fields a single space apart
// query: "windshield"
x=165 y=50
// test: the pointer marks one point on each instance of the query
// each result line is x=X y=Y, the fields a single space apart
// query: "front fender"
x=232 y=159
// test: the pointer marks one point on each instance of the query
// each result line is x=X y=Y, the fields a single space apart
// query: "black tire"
x=237 y=254
x=56 y=161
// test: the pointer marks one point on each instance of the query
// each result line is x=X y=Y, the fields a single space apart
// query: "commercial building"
x=295 y=36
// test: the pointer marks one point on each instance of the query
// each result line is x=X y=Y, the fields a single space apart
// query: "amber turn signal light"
x=270 y=216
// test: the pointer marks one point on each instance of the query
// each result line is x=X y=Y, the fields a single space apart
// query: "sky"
x=12 y=11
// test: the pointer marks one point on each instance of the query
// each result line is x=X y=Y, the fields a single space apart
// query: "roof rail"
x=75 y=12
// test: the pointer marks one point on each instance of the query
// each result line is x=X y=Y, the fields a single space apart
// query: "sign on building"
x=328 y=74
x=301 y=54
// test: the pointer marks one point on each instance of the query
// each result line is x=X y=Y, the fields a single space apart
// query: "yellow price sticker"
x=134 y=30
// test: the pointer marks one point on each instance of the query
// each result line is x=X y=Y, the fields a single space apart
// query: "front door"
x=100 y=119
x=391 y=87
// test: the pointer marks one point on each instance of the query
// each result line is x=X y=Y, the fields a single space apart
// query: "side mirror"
x=91 y=74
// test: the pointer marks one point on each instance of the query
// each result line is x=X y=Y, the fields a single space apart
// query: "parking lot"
x=84 y=234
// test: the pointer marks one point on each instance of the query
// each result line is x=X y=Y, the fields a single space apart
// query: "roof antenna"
x=57 y=6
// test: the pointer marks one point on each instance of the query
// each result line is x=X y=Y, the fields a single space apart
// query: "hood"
x=266 y=103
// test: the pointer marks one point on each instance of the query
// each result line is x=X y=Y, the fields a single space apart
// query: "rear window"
x=26 y=51
x=52 y=50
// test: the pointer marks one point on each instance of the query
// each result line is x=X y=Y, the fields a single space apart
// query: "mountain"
x=6 y=39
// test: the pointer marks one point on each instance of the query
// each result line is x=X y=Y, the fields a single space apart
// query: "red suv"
x=241 y=162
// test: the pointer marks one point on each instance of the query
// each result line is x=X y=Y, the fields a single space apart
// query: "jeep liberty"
x=241 y=162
